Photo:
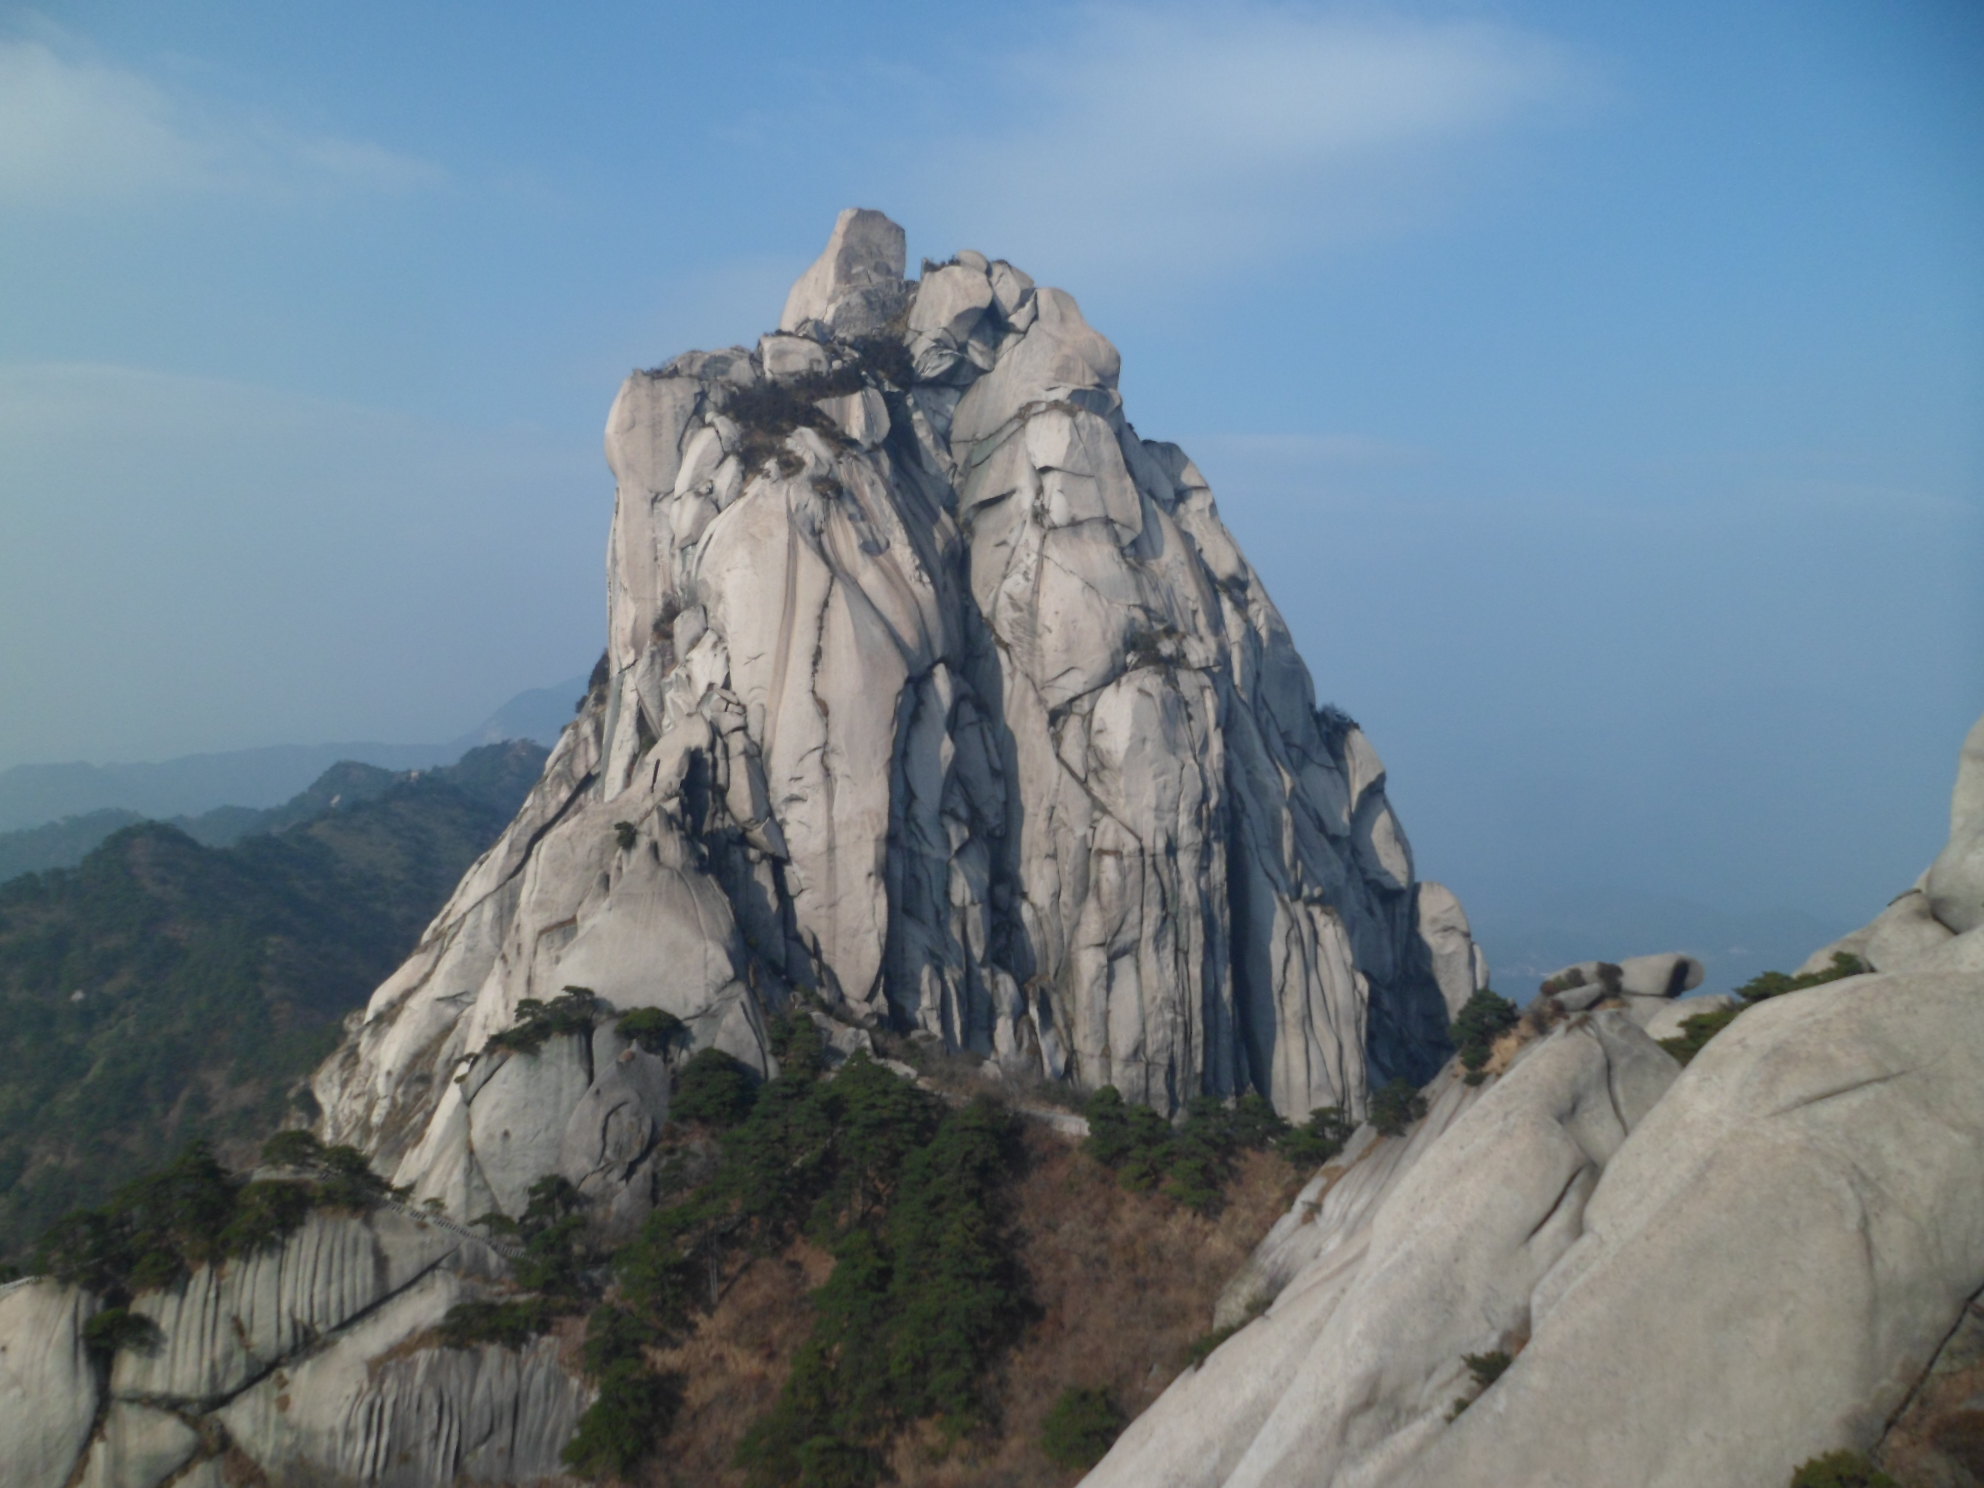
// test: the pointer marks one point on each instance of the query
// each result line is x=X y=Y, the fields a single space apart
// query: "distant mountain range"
x=166 y=989
x=51 y=815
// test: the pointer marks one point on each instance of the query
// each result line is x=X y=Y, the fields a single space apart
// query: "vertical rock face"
x=934 y=691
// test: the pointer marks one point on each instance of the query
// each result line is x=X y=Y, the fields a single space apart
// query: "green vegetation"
x=1318 y=1139
x=1841 y=1470
x=116 y=1329
x=1193 y=1161
x=1486 y=1369
x=713 y=1090
x=654 y=1029
x=1776 y=983
x=1484 y=1018
x=1699 y=1029
x=768 y=413
x=157 y=1229
x=510 y=1324
x=1080 y=1428
x=907 y=1194
x=1395 y=1106
x=574 y=1010
x=635 y=1409
x=1696 y=1031
x=552 y=1270
x=165 y=992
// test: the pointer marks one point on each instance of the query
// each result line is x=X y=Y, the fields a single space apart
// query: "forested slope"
x=164 y=990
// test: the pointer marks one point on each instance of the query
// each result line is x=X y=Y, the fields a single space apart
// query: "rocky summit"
x=936 y=697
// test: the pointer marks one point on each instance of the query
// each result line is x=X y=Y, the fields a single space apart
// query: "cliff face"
x=1706 y=1275
x=936 y=694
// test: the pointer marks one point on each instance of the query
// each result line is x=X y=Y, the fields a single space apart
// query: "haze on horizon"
x=1601 y=396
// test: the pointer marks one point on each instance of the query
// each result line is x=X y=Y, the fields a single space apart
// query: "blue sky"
x=1600 y=389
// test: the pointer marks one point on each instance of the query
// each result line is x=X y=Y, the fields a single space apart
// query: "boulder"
x=1459 y=965
x=1955 y=884
x=791 y=356
x=1586 y=983
x=1771 y=1250
x=856 y=285
x=1360 y=1358
x=1774 y=1257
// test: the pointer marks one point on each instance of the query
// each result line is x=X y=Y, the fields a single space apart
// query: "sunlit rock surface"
x=312 y=1362
x=1700 y=1277
x=932 y=688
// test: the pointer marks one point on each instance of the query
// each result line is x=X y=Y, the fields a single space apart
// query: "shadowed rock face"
x=934 y=689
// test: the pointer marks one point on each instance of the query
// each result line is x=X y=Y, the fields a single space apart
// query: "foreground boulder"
x=935 y=693
x=1665 y=1277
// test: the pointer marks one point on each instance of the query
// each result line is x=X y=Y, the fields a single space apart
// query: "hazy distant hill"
x=36 y=795
x=166 y=989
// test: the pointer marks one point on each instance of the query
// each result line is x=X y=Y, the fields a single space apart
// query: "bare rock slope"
x=1698 y=1277
x=314 y=1362
x=935 y=693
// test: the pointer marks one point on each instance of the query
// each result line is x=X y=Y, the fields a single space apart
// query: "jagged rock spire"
x=937 y=696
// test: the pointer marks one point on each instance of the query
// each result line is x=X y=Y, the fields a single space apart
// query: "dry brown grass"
x=734 y=1365
x=1122 y=1284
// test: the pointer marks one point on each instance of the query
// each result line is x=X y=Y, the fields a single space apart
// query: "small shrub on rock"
x=292 y=1149
x=1841 y=1470
x=1080 y=1428
x=655 y=1029
x=713 y=1090
x=118 y=1329
x=1318 y=1139
x=1484 y=1018
x=1776 y=983
x=1697 y=1031
x=510 y=1324
x=884 y=359
x=575 y=1010
x=1487 y=1368
x=1395 y=1106
x=264 y=1214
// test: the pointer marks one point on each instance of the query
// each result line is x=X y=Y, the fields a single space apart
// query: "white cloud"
x=1202 y=136
x=77 y=131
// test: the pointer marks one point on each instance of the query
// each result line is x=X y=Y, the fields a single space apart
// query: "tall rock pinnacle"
x=938 y=698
